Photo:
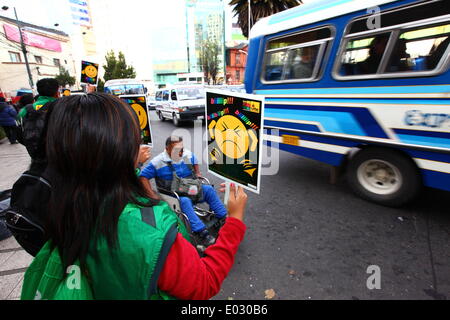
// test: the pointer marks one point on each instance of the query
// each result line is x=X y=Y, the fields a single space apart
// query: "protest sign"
x=89 y=72
x=234 y=123
x=139 y=104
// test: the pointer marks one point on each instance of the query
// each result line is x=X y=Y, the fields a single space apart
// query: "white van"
x=181 y=103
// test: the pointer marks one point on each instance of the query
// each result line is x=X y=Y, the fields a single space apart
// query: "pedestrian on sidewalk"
x=32 y=123
x=8 y=120
x=103 y=222
x=24 y=101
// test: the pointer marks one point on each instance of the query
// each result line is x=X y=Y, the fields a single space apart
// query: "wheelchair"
x=212 y=223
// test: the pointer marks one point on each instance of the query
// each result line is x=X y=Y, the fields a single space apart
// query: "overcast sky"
x=128 y=25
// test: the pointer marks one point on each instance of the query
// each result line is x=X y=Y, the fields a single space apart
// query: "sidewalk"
x=14 y=160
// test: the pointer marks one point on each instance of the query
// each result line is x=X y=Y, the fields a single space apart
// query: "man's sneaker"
x=206 y=238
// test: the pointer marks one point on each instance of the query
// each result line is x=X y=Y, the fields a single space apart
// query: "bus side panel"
x=328 y=150
x=251 y=71
x=434 y=166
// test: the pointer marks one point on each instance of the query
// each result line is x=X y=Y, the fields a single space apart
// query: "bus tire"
x=384 y=176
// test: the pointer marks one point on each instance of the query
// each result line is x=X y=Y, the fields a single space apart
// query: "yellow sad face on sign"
x=91 y=71
x=232 y=137
x=142 y=115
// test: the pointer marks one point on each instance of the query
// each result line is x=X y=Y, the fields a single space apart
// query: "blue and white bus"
x=360 y=85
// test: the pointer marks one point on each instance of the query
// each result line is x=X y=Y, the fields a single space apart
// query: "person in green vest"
x=48 y=90
x=107 y=239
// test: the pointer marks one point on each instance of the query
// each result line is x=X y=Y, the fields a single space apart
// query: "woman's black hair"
x=93 y=142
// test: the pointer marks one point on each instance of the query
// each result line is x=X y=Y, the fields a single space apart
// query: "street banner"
x=234 y=123
x=89 y=72
x=139 y=104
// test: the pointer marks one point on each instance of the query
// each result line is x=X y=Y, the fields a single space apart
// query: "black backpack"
x=31 y=193
x=31 y=132
x=29 y=205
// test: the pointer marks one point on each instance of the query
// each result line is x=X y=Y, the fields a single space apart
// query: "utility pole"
x=224 y=48
x=249 y=18
x=24 y=50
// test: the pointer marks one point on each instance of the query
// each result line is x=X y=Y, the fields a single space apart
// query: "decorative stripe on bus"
x=311 y=145
x=413 y=103
x=442 y=91
x=362 y=123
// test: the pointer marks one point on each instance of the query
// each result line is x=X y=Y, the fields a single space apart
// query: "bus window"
x=166 y=96
x=302 y=62
x=275 y=65
x=363 y=55
x=419 y=49
x=296 y=57
x=415 y=40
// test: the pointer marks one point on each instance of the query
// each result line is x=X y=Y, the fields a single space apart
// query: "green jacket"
x=129 y=271
x=40 y=102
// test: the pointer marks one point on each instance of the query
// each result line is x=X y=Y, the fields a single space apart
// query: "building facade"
x=48 y=50
x=178 y=46
x=236 y=62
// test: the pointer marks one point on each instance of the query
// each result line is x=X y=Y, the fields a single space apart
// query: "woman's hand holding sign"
x=237 y=201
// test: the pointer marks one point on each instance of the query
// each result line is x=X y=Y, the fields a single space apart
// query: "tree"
x=117 y=68
x=209 y=60
x=100 y=85
x=259 y=9
x=64 y=78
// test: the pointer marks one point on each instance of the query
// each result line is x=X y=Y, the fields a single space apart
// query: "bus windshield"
x=122 y=89
x=190 y=93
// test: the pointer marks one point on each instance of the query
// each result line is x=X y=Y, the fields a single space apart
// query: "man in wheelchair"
x=177 y=164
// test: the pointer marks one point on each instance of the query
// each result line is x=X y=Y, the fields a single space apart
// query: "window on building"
x=238 y=75
x=57 y=62
x=238 y=59
x=296 y=57
x=38 y=59
x=15 y=57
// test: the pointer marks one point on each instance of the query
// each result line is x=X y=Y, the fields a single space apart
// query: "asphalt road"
x=309 y=239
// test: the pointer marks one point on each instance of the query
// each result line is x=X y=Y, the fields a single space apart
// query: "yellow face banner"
x=235 y=126
x=89 y=72
x=139 y=105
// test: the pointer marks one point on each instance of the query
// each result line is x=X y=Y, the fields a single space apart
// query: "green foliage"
x=101 y=85
x=209 y=60
x=259 y=9
x=116 y=67
x=64 y=78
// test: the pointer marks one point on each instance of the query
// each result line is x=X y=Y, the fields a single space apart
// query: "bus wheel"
x=160 y=116
x=384 y=176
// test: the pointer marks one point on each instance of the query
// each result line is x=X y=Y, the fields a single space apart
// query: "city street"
x=306 y=239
